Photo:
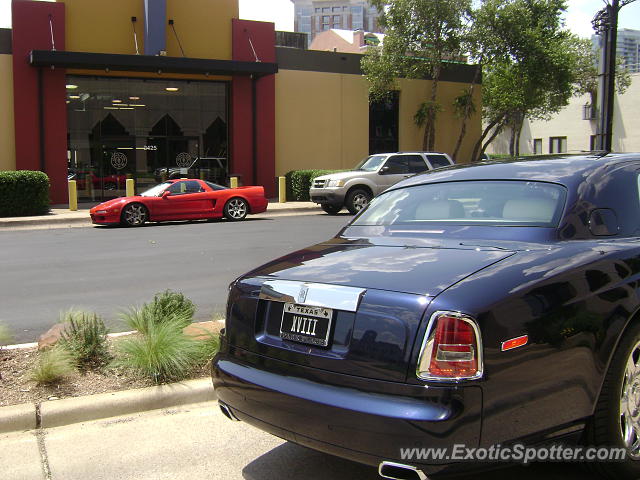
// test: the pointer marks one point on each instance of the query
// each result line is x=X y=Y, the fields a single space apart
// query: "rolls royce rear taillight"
x=452 y=349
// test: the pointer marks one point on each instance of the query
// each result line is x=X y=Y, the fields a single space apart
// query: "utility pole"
x=605 y=24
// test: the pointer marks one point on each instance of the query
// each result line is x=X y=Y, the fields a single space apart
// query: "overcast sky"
x=578 y=18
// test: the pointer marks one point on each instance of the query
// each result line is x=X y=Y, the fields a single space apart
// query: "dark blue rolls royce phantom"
x=482 y=305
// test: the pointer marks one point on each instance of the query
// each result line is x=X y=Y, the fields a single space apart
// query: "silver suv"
x=373 y=175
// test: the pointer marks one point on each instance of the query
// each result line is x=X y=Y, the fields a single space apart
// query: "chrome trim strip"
x=336 y=297
x=427 y=345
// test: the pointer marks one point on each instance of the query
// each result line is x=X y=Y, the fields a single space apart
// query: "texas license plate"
x=304 y=324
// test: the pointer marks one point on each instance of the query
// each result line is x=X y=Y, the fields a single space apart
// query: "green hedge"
x=299 y=182
x=23 y=193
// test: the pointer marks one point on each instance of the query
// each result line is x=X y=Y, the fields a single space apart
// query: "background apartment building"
x=315 y=16
x=627 y=48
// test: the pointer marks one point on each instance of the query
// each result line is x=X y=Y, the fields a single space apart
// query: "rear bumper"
x=296 y=404
x=259 y=205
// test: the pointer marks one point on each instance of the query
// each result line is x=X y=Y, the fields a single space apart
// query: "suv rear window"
x=496 y=203
x=438 y=161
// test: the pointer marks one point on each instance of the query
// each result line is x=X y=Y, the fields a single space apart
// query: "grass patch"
x=5 y=335
x=52 y=366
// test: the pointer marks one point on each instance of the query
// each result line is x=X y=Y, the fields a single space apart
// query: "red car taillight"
x=452 y=350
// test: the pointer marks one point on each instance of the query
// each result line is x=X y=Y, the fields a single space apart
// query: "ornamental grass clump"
x=53 y=366
x=162 y=352
x=167 y=306
x=85 y=338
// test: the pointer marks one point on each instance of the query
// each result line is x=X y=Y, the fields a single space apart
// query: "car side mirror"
x=383 y=170
x=165 y=194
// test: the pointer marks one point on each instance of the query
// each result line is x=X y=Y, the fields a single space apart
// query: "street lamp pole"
x=605 y=23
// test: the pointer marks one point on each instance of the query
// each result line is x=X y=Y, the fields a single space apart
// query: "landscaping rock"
x=51 y=336
x=202 y=330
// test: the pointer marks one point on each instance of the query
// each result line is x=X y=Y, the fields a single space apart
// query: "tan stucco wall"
x=104 y=26
x=322 y=119
x=7 y=132
x=413 y=93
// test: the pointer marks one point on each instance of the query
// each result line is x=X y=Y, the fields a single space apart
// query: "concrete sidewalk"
x=60 y=216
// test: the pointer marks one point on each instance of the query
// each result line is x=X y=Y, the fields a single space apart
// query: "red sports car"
x=184 y=199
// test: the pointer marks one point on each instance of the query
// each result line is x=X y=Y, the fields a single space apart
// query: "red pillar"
x=40 y=109
x=253 y=152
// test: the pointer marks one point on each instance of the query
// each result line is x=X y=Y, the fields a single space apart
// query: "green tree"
x=527 y=65
x=420 y=35
x=586 y=70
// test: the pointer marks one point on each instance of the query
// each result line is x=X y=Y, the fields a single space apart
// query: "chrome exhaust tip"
x=227 y=412
x=400 y=471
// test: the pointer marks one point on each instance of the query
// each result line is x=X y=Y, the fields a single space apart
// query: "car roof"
x=568 y=170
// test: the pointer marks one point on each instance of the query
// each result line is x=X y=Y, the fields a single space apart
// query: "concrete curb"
x=45 y=221
x=17 y=417
x=57 y=413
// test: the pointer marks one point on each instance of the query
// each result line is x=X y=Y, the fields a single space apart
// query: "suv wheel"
x=331 y=209
x=357 y=199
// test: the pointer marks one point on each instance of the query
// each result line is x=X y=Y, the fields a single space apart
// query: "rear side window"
x=438 y=161
x=417 y=164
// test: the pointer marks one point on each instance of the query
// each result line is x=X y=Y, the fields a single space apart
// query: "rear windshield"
x=497 y=203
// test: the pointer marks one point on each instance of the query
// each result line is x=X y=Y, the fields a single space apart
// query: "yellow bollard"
x=233 y=182
x=282 y=189
x=73 y=196
x=131 y=187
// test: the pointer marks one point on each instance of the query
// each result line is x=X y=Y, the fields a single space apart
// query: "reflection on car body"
x=480 y=305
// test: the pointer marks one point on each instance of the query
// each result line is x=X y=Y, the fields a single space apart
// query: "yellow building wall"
x=7 y=132
x=104 y=26
x=322 y=119
x=413 y=93
x=203 y=26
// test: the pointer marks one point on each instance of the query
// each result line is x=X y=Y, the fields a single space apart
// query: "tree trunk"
x=429 y=140
x=493 y=136
x=467 y=114
x=518 y=132
x=475 y=156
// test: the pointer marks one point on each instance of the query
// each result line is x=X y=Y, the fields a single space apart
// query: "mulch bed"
x=15 y=386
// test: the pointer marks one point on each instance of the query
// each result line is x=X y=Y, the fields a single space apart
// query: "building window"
x=557 y=144
x=337 y=9
x=337 y=18
x=326 y=9
x=588 y=112
x=138 y=128
x=537 y=146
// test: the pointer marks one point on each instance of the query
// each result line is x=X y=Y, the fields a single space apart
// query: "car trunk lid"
x=375 y=297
